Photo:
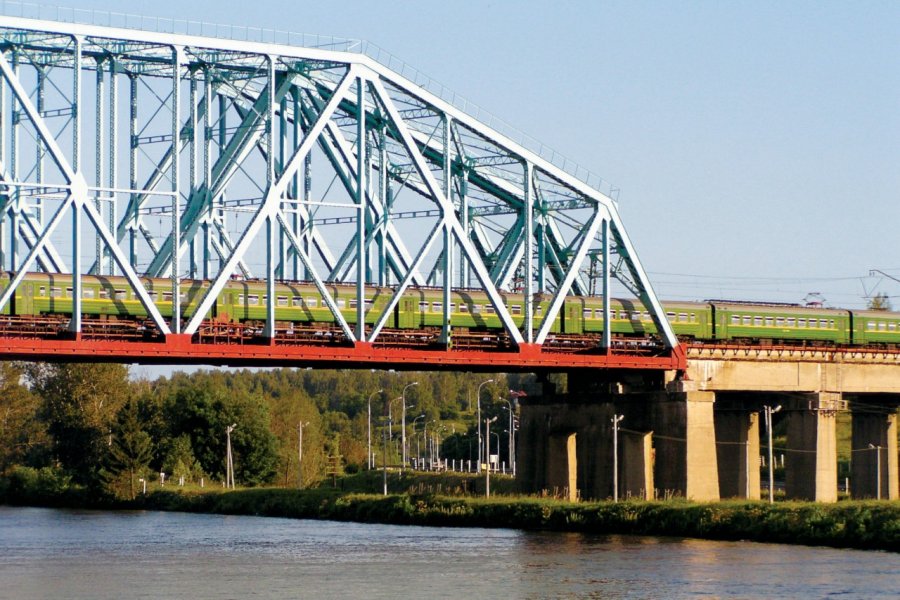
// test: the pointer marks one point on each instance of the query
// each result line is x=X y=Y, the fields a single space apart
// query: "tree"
x=79 y=404
x=23 y=437
x=130 y=452
x=880 y=301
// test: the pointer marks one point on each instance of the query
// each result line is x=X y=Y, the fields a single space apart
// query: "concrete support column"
x=737 y=453
x=685 y=442
x=636 y=464
x=880 y=431
x=811 y=457
x=562 y=465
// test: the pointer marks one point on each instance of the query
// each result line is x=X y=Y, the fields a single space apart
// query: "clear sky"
x=756 y=144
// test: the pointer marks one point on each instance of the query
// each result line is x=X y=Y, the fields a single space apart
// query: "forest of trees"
x=101 y=429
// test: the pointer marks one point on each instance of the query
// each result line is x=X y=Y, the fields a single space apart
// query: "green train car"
x=300 y=303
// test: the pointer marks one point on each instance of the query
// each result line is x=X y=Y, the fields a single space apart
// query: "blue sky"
x=756 y=144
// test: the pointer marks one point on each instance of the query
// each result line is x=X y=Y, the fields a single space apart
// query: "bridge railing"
x=123 y=20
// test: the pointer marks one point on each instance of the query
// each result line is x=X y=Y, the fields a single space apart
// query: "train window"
x=489 y=309
x=167 y=296
x=882 y=326
x=281 y=300
x=770 y=321
x=89 y=293
x=693 y=317
x=423 y=306
x=892 y=327
x=791 y=322
x=586 y=313
x=779 y=321
x=437 y=306
x=516 y=309
x=240 y=298
x=463 y=307
x=870 y=326
x=105 y=294
x=598 y=314
x=121 y=295
x=831 y=324
x=265 y=300
x=735 y=319
x=476 y=309
x=646 y=316
x=56 y=292
x=746 y=320
x=682 y=317
x=757 y=321
x=453 y=307
x=537 y=311
x=812 y=324
x=671 y=316
x=801 y=322
x=367 y=303
x=68 y=292
x=312 y=302
x=183 y=296
x=296 y=301
x=353 y=303
x=341 y=303
x=153 y=295
x=636 y=316
x=252 y=300
x=42 y=291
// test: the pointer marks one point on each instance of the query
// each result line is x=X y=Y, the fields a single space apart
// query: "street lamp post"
x=616 y=419
x=478 y=421
x=512 y=439
x=877 y=450
x=369 y=458
x=487 y=476
x=769 y=411
x=418 y=447
x=229 y=462
x=403 y=451
x=300 y=427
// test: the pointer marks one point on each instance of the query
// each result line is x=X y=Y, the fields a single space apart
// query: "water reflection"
x=78 y=554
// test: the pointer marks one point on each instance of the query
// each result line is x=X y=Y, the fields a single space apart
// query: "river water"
x=82 y=554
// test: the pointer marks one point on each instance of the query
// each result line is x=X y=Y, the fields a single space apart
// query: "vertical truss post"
x=307 y=189
x=282 y=141
x=14 y=170
x=39 y=146
x=295 y=183
x=207 y=169
x=606 y=342
x=113 y=162
x=541 y=254
x=99 y=160
x=4 y=115
x=223 y=139
x=75 y=323
x=448 y=237
x=270 y=184
x=464 y=272
x=527 y=289
x=383 y=182
x=132 y=168
x=176 y=196
x=361 y=206
x=192 y=164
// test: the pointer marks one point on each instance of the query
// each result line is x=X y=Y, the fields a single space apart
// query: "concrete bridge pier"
x=666 y=443
x=874 y=432
x=811 y=456
x=737 y=451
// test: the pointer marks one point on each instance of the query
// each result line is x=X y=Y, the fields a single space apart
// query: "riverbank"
x=871 y=525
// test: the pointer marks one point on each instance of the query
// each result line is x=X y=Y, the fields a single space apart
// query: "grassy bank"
x=429 y=500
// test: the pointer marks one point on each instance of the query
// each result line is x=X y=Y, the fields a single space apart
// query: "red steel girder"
x=181 y=350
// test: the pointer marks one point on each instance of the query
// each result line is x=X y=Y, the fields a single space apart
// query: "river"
x=48 y=553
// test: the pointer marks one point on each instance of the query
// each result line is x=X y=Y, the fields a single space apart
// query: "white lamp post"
x=229 y=462
x=369 y=459
x=616 y=419
x=877 y=450
x=403 y=452
x=300 y=427
x=487 y=476
x=478 y=421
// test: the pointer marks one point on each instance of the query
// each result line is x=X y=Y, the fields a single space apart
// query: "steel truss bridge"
x=147 y=156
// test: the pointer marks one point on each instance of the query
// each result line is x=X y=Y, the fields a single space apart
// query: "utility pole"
x=478 y=421
x=616 y=419
x=229 y=462
x=403 y=452
x=300 y=427
x=370 y=460
x=769 y=412
x=487 y=477
x=877 y=450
